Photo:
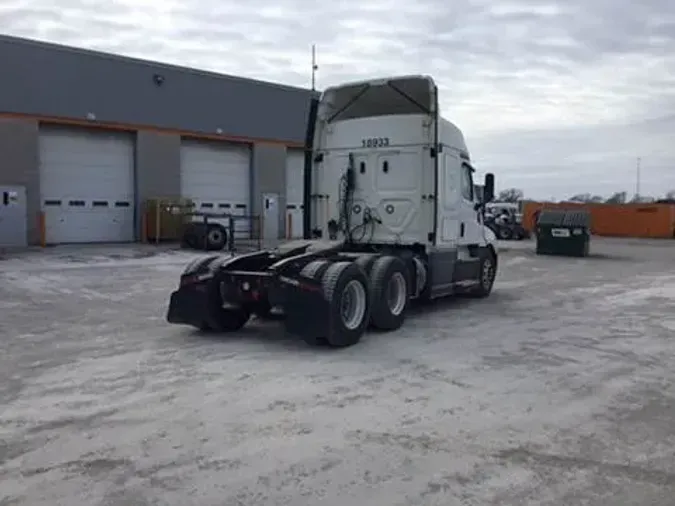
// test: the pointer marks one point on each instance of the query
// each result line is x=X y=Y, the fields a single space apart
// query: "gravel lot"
x=557 y=390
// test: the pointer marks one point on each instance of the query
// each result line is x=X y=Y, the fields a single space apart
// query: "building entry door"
x=270 y=216
x=13 y=216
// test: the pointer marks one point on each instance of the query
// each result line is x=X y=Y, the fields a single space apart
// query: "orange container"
x=655 y=221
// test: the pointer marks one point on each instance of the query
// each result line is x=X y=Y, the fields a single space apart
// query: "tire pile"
x=205 y=236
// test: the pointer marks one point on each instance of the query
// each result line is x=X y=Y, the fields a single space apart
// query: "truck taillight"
x=187 y=280
x=191 y=279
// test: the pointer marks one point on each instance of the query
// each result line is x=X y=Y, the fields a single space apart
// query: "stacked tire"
x=202 y=236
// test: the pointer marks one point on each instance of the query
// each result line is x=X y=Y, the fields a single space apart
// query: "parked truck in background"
x=505 y=219
x=391 y=217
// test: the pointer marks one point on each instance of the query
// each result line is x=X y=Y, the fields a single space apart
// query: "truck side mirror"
x=489 y=188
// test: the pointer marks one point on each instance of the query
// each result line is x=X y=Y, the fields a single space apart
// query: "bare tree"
x=642 y=199
x=586 y=198
x=617 y=198
x=510 y=195
x=670 y=195
x=580 y=197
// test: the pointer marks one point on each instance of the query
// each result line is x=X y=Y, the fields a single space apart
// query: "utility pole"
x=315 y=67
x=637 y=179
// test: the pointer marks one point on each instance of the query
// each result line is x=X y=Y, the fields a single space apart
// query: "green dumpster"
x=564 y=232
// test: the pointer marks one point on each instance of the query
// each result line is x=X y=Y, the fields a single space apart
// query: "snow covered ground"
x=557 y=390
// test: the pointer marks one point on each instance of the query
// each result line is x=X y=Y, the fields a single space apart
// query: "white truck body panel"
x=406 y=195
x=390 y=181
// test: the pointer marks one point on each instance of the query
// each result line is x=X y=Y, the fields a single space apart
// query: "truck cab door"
x=469 y=228
x=470 y=223
x=443 y=255
x=448 y=209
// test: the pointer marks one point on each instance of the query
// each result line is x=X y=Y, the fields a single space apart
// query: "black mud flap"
x=307 y=311
x=189 y=306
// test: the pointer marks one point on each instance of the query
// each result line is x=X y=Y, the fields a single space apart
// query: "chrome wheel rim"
x=396 y=293
x=353 y=304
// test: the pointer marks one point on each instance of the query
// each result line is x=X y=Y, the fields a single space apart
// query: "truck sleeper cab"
x=391 y=217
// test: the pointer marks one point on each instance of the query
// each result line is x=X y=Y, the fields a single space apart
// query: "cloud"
x=555 y=96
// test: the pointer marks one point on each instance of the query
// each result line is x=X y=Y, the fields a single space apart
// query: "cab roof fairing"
x=411 y=94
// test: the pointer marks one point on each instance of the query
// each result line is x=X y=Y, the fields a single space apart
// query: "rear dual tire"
x=389 y=293
x=346 y=290
x=345 y=287
x=369 y=291
x=315 y=270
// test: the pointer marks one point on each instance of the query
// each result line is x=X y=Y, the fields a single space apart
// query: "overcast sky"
x=555 y=97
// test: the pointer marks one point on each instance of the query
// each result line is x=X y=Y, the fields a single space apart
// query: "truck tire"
x=220 y=319
x=216 y=237
x=315 y=270
x=366 y=263
x=193 y=236
x=487 y=274
x=389 y=293
x=504 y=233
x=345 y=287
x=228 y=320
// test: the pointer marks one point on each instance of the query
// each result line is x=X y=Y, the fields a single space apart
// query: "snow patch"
x=637 y=296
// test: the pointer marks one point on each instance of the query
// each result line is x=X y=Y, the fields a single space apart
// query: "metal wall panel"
x=56 y=81
x=19 y=167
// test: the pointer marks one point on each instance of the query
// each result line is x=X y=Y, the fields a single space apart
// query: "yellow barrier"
x=42 y=229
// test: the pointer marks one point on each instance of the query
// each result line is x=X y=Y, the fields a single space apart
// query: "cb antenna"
x=315 y=67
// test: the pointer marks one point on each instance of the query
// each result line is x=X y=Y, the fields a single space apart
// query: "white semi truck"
x=391 y=216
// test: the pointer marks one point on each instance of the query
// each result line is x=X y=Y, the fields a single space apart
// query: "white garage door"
x=86 y=185
x=295 y=184
x=216 y=177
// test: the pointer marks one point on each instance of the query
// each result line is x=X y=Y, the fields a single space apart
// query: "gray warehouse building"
x=86 y=137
